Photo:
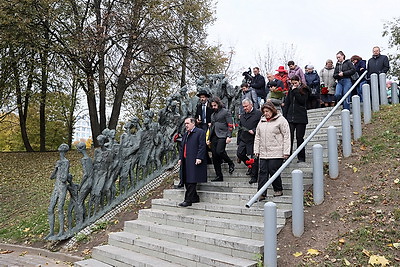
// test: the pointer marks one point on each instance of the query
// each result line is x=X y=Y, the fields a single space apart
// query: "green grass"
x=25 y=190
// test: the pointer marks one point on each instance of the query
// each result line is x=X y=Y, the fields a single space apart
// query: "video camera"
x=247 y=76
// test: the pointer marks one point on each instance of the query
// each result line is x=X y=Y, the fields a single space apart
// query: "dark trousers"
x=268 y=167
x=300 y=129
x=219 y=155
x=191 y=195
x=243 y=152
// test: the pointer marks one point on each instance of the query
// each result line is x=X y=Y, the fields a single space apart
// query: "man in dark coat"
x=378 y=63
x=192 y=158
x=258 y=84
x=220 y=135
x=203 y=111
x=247 y=130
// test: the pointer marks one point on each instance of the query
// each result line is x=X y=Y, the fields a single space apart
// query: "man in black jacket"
x=220 y=135
x=378 y=63
x=258 y=84
x=203 y=111
x=247 y=130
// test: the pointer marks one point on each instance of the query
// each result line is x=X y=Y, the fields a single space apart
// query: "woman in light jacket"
x=271 y=146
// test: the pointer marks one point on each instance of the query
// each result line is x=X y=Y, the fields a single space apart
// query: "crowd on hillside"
x=271 y=114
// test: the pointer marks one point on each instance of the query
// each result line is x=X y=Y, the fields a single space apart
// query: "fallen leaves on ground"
x=378 y=260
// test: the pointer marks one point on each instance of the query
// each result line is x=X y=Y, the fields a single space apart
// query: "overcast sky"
x=317 y=28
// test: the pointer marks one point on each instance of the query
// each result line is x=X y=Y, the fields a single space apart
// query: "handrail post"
x=333 y=153
x=395 y=96
x=297 y=203
x=346 y=133
x=270 y=234
x=318 y=174
x=366 y=103
x=382 y=88
x=357 y=130
x=374 y=92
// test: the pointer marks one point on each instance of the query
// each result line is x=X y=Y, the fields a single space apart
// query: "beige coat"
x=272 y=138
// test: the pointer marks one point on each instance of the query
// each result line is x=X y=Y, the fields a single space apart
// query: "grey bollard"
x=366 y=103
x=382 y=89
x=318 y=174
x=333 y=153
x=395 y=94
x=297 y=203
x=374 y=92
x=346 y=133
x=357 y=130
x=270 y=235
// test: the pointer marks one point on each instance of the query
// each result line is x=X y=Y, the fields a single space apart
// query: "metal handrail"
x=294 y=154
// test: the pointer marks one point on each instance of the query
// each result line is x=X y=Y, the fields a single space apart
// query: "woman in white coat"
x=271 y=146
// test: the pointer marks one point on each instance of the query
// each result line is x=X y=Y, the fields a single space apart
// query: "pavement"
x=15 y=255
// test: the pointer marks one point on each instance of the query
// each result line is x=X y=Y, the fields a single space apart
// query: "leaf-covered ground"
x=357 y=225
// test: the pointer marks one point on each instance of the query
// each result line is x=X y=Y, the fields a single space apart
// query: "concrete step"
x=226 y=198
x=91 y=263
x=231 y=227
x=175 y=253
x=225 y=244
x=119 y=256
x=254 y=213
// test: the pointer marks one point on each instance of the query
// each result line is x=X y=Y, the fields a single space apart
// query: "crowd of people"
x=272 y=113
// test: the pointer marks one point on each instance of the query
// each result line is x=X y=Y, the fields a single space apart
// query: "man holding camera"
x=257 y=82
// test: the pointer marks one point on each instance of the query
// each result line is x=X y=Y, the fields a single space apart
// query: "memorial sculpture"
x=118 y=169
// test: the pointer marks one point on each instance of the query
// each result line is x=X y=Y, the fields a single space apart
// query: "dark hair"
x=257 y=68
x=341 y=53
x=355 y=57
x=217 y=100
x=303 y=87
x=244 y=85
x=270 y=106
x=291 y=62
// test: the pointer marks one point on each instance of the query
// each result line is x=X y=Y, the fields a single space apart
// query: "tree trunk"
x=101 y=47
x=22 y=107
x=184 y=54
x=91 y=101
x=42 y=108
x=121 y=86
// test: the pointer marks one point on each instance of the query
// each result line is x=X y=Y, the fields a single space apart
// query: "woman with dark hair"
x=360 y=65
x=271 y=146
x=343 y=71
x=295 y=112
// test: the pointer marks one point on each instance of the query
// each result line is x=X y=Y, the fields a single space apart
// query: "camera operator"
x=257 y=82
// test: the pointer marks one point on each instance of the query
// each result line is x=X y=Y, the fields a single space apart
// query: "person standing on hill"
x=377 y=63
x=220 y=135
x=313 y=83
x=271 y=146
x=258 y=84
x=360 y=66
x=295 y=112
x=283 y=76
x=192 y=158
x=328 y=84
x=247 y=130
x=344 y=69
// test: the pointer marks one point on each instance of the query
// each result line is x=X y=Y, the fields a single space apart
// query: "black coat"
x=199 y=114
x=248 y=121
x=195 y=149
x=347 y=67
x=258 y=84
x=295 y=108
x=379 y=64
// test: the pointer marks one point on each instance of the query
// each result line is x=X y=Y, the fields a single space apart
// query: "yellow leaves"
x=355 y=169
x=363 y=147
x=346 y=262
x=378 y=260
x=396 y=181
x=6 y=251
x=342 y=241
x=356 y=193
x=26 y=230
x=297 y=254
x=366 y=252
x=396 y=245
x=312 y=251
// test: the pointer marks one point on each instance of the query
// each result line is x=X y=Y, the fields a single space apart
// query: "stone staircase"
x=218 y=231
